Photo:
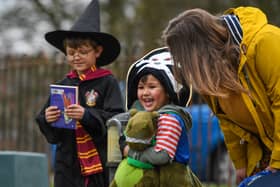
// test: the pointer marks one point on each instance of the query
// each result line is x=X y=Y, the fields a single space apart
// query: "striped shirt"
x=168 y=134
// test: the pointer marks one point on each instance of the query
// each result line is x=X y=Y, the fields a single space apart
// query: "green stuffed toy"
x=140 y=131
x=131 y=172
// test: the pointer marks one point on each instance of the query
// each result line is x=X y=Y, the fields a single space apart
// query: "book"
x=63 y=96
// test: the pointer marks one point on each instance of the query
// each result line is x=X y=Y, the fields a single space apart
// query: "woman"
x=233 y=60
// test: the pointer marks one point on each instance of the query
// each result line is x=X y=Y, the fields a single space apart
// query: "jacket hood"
x=252 y=20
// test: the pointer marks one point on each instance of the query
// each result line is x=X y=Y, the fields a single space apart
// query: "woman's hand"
x=52 y=114
x=273 y=170
x=240 y=175
x=75 y=111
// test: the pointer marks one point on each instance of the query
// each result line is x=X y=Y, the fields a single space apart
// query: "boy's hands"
x=75 y=111
x=52 y=114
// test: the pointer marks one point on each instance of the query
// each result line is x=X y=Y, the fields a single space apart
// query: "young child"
x=81 y=153
x=151 y=83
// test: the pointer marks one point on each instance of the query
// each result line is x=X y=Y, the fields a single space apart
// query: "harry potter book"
x=62 y=96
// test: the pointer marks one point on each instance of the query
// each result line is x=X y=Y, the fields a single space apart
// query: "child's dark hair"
x=144 y=79
x=75 y=42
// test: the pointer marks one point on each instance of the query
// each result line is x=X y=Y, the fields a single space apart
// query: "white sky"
x=11 y=40
x=6 y=3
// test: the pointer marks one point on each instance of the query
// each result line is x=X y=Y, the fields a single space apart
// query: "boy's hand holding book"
x=52 y=114
x=75 y=111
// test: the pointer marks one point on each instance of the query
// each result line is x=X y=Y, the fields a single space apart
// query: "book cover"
x=63 y=96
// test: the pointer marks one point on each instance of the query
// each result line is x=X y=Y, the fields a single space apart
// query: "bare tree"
x=137 y=24
x=28 y=20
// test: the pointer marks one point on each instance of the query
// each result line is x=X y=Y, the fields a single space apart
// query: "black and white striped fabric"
x=234 y=26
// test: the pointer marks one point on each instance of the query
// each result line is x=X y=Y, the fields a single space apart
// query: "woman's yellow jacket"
x=259 y=71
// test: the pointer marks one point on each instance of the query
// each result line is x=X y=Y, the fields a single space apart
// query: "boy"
x=150 y=82
x=81 y=153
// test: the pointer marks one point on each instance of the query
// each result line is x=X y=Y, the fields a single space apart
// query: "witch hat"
x=88 y=25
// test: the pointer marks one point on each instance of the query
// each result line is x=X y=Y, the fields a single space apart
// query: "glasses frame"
x=81 y=53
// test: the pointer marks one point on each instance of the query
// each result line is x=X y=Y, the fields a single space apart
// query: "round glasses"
x=82 y=53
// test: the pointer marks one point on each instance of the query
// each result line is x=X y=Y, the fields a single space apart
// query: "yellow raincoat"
x=259 y=71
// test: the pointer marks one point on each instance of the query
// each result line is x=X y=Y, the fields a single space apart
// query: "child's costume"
x=169 y=157
x=81 y=153
x=139 y=170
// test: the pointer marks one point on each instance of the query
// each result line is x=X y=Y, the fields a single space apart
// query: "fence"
x=24 y=89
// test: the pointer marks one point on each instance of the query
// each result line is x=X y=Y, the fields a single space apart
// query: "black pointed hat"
x=88 y=25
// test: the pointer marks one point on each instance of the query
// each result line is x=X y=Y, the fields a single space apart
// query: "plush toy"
x=140 y=131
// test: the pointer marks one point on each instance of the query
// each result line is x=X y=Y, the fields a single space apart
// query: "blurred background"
x=28 y=64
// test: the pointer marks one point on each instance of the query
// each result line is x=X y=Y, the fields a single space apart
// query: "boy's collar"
x=91 y=73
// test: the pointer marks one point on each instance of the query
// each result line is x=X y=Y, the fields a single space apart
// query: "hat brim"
x=111 y=46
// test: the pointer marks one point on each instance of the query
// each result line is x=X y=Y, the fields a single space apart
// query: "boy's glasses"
x=81 y=53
